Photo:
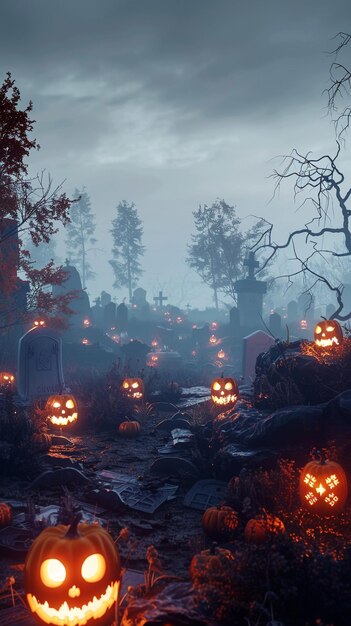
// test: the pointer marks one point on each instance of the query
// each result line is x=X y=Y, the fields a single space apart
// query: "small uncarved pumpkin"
x=323 y=487
x=5 y=514
x=328 y=333
x=72 y=576
x=212 y=566
x=263 y=528
x=219 y=522
x=129 y=428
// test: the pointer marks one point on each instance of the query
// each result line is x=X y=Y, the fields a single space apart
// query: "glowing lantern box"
x=323 y=487
x=72 y=576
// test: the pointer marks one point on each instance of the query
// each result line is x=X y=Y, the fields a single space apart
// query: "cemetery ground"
x=203 y=503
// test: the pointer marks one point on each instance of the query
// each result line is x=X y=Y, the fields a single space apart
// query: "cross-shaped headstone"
x=251 y=264
x=160 y=299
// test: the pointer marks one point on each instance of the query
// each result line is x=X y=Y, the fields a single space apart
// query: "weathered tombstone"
x=292 y=312
x=254 y=344
x=329 y=311
x=234 y=321
x=165 y=336
x=97 y=313
x=134 y=355
x=110 y=316
x=250 y=296
x=80 y=303
x=39 y=371
x=122 y=318
x=275 y=325
x=105 y=298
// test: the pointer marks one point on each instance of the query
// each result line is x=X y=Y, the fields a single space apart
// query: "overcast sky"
x=169 y=104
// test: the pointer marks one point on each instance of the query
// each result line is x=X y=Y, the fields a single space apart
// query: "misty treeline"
x=35 y=208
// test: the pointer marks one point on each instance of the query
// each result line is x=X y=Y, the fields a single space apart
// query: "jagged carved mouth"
x=327 y=343
x=62 y=420
x=224 y=399
x=136 y=395
x=76 y=615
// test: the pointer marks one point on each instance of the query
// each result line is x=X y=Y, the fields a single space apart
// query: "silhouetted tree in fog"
x=218 y=247
x=127 y=232
x=80 y=233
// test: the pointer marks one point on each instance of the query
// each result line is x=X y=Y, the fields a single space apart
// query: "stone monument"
x=250 y=297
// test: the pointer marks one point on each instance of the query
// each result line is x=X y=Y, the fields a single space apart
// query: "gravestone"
x=122 y=318
x=306 y=307
x=275 y=325
x=80 y=302
x=234 y=321
x=105 y=298
x=250 y=296
x=292 y=312
x=110 y=316
x=254 y=344
x=329 y=311
x=134 y=356
x=97 y=313
x=39 y=370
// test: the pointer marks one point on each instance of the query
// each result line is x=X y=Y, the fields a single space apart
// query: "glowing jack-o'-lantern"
x=71 y=576
x=323 y=486
x=328 y=333
x=224 y=391
x=133 y=388
x=62 y=410
x=7 y=379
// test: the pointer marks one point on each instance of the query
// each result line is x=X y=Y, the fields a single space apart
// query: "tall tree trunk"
x=129 y=279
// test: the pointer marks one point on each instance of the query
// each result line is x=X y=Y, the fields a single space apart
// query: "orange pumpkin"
x=323 y=486
x=224 y=392
x=72 y=575
x=328 y=333
x=7 y=379
x=129 y=428
x=5 y=514
x=262 y=528
x=213 y=566
x=219 y=522
x=133 y=388
x=62 y=410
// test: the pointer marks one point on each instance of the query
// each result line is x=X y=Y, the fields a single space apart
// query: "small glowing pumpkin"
x=220 y=522
x=72 y=575
x=62 y=410
x=328 y=333
x=5 y=514
x=323 y=486
x=262 y=528
x=129 y=428
x=133 y=388
x=224 y=391
x=7 y=379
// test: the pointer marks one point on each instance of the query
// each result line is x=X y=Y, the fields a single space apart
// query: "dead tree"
x=327 y=234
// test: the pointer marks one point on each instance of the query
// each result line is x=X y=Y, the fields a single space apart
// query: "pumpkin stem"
x=322 y=457
x=73 y=529
x=213 y=547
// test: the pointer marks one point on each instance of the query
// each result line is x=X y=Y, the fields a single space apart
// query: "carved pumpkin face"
x=224 y=391
x=133 y=388
x=328 y=333
x=71 y=576
x=62 y=410
x=6 y=379
x=323 y=487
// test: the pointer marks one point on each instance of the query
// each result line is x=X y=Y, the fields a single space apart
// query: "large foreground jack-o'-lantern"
x=72 y=575
x=328 y=333
x=323 y=486
x=133 y=388
x=224 y=391
x=62 y=410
